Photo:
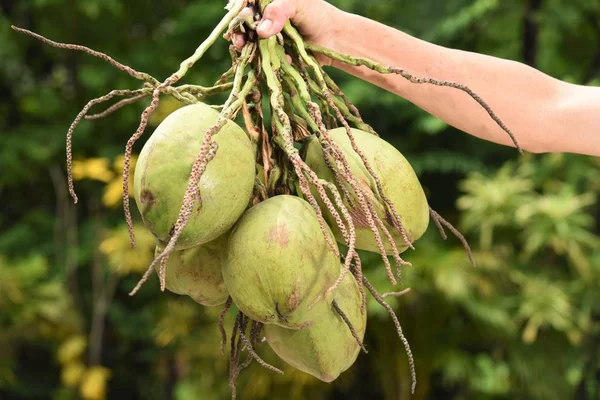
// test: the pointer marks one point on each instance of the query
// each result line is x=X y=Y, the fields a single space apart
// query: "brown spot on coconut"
x=294 y=299
x=279 y=234
x=276 y=284
x=327 y=348
x=163 y=170
x=196 y=272
x=400 y=184
x=147 y=198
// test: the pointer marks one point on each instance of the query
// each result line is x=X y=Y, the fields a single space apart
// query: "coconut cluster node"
x=266 y=209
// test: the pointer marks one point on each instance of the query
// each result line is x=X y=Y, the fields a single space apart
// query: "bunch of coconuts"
x=270 y=256
x=255 y=215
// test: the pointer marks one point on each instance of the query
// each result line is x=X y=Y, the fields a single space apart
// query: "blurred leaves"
x=176 y=323
x=491 y=203
x=33 y=308
x=560 y=222
x=544 y=303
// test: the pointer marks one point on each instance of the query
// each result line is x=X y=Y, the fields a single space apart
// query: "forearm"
x=533 y=105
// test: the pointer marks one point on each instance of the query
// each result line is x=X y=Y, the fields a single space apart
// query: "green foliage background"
x=524 y=324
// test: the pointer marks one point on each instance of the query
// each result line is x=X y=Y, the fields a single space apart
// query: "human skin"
x=544 y=113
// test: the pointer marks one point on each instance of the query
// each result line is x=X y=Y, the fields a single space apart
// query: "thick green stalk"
x=239 y=72
x=276 y=98
x=351 y=112
x=282 y=122
x=373 y=219
x=299 y=106
x=212 y=38
x=358 y=122
x=201 y=91
x=301 y=96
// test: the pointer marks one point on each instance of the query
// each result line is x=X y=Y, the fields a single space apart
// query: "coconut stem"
x=440 y=223
x=392 y=314
x=375 y=66
x=234 y=357
x=304 y=173
x=271 y=65
x=212 y=38
x=129 y=150
x=339 y=156
x=80 y=116
x=201 y=92
x=350 y=111
x=122 y=67
x=341 y=313
x=319 y=74
x=221 y=326
x=260 y=361
x=117 y=106
x=174 y=78
x=396 y=294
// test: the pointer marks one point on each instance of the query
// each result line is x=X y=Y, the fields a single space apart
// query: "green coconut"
x=398 y=179
x=277 y=265
x=164 y=166
x=196 y=272
x=327 y=348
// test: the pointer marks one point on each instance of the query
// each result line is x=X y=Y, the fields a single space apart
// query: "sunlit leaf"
x=97 y=169
x=176 y=323
x=71 y=349
x=559 y=221
x=491 y=202
x=121 y=257
x=113 y=192
x=544 y=304
x=72 y=373
x=93 y=383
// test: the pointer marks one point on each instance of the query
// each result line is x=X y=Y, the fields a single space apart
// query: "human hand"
x=315 y=19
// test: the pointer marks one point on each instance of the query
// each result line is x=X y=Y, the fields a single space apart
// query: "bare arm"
x=545 y=114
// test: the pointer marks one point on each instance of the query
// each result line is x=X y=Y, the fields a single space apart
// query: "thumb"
x=275 y=16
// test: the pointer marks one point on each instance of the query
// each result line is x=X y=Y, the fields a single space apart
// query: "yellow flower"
x=176 y=322
x=93 y=383
x=72 y=373
x=113 y=192
x=71 y=350
x=96 y=169
x=100 y=169
x=119 y=163
x=121 y=257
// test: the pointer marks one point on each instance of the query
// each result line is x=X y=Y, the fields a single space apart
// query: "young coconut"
x=398 y=180
x=329 y=347
x=163 y=171
x=277 y=264
x=196 y=272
